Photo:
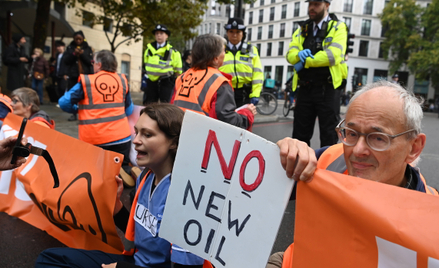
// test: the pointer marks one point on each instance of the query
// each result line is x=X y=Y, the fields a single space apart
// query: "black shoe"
x=72 y=118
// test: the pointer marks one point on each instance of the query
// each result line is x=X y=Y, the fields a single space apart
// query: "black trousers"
x=314 y=101
x=61 y=86
x=242 y=96
x=159 y=90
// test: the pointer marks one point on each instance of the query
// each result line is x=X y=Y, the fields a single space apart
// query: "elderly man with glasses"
x=381 y=140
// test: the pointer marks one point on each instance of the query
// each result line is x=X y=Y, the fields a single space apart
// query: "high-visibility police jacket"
x=210 y=93
x=245 y=67
x=332 y=55
x=163 y=62
x=5 y=107
x=102 y=117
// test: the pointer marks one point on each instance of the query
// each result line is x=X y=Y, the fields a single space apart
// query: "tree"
x=411 y=35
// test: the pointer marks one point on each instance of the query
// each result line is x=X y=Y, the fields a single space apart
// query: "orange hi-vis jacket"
x=7 y=102
x=102 y=117
x=333 y=159
x=195 y=89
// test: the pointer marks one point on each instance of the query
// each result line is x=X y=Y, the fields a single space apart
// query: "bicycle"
x=290 y=103
x=267 y=103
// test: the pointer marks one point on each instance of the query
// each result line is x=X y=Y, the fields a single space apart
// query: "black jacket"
x=71 y=61
x=63 y=68
x=16 y=68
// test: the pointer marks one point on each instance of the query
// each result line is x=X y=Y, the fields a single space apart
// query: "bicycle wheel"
x=287 y=106
x=267 y=103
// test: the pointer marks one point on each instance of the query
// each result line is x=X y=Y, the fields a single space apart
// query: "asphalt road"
x=21 y=243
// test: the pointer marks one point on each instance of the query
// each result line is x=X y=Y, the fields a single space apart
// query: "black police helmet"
x=395 y=76
x=235 y=23
x=161 y=27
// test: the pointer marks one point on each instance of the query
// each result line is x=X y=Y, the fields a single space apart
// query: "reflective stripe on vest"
x=102 y=117
x=195 y=89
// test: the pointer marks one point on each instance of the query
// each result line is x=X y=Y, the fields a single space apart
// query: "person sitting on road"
x=206 y=90
x=381 y=140
x=26 y=103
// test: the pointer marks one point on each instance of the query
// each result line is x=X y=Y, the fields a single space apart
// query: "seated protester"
x=26 y=103
x=212 y=94
x=381 y=140
x=156 y=142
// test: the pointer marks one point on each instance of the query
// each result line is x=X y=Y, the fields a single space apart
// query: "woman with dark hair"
x=26 y=103
x=206 y=90
x=156 y=142
x=77 y=58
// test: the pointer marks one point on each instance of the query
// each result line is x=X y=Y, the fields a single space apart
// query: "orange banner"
x=343 y=221
x=79 y=213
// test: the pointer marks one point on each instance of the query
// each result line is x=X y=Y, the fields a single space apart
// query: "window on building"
x=261 y=15
x=210 y=27
x=359 y=78
x=126 y=29
x=270 y=31
x=228 y=11
x=271 y=13
x=259 y=32
x=267 y=71
x=379 y=75
x=258 y=46
x=347 y=21
x=280 y=50
x=250 y=17
x=282 y=30
x=380 y=51
x=384 y=29
x=60 y=8
x=290 y=71
x=278 y=75
x=296 y=9
x=296 y=26
x=108 y=25
x=365 y=27
x=347 y=6
x=201 y=29
x=249 y=34
x=269 y=49
x=261 y=3
x=368 y=6
x=252 y=5
x=284 y=12
x=273 y=1
x=87 y=19
x=125 y=65
x=205 y=29
x=218 y=28
x=364 y=47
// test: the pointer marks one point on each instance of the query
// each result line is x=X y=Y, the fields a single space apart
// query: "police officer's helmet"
x=235 y=23
x=327 y=1
x=161 y=27
x=395 y=76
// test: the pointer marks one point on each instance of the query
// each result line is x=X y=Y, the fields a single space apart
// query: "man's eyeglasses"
x=377 y=141
x=14 y=101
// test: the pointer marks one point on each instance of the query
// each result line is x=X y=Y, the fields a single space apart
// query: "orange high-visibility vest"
x=102 y=117
x=7 y=102
x=195 y=89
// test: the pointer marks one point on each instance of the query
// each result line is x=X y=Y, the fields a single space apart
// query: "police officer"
x=317 y=52
x=242 y=62
x=162 y=65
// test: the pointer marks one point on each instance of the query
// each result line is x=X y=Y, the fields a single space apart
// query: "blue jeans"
x=37 y=85
x=72 y=257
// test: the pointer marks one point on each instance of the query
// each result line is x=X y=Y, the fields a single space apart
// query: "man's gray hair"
x=411 y=104
x=107 y=59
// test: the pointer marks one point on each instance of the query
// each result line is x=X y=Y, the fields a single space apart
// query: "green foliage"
x=411 y=38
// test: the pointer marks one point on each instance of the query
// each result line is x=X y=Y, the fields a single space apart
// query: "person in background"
x=103 y=102
x=395 y=78
x=187 y=60
x=210 y=91
x=317 y=52
x=162 y=65
x=242 y=62
x=15 y=58
x=5 y=106
x=26 y=103
x=77 y=57
x=381 y=140
x=60 y=73
x=39 y=72
x=156 y=142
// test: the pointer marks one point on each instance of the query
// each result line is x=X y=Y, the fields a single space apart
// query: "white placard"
x=227 y=196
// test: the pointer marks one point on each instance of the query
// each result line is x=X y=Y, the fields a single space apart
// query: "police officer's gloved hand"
x=298 y=66
x=254 y=101
x=305 y=54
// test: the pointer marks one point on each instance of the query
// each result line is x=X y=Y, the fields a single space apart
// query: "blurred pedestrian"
x=77 y=57
x=15 y=58
x=242 y=62
x=60 y=74
x=39 y=71
x=26 y=103
x=162 y=64
x=395 y=78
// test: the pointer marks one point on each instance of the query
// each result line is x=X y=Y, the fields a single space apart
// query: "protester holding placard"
x=206 y=90
x=156 y=142
x=381 y=140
